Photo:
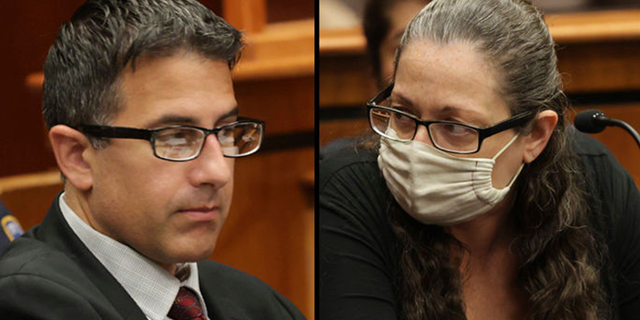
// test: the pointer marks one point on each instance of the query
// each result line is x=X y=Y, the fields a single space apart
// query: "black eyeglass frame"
x=483 y=133
x=150 y=135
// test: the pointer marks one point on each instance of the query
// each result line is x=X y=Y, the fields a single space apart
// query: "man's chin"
x=183 y=248
x=193 y=253
x=196 y=257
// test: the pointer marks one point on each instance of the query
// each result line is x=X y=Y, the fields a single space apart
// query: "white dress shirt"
x=152 y=288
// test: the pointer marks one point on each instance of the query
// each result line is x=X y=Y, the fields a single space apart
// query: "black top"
x=49 y=274
x=358 y=258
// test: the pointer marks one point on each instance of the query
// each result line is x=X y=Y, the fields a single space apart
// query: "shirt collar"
x=151 y=287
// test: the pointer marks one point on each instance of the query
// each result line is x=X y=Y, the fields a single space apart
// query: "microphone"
x=595 y=121
x=591 y=121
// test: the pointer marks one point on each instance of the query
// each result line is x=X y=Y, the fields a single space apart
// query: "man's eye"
x=178 y=136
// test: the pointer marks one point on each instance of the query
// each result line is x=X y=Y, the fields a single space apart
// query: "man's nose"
x=211 y=167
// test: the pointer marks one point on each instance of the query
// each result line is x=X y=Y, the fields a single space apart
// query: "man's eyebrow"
x=232 y=113
x=171 y=119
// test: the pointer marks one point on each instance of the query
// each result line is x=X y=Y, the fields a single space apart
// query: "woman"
x=479 y=203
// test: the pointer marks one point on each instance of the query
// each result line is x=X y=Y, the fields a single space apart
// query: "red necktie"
x=186 y=306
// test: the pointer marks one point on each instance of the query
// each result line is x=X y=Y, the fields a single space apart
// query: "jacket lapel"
x=218 y=306
x=55 y=231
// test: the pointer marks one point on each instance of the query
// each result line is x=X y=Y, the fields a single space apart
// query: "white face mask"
x=437 y=188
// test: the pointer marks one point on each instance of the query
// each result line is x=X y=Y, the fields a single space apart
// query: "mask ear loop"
x=501 y=151
x=506 y=146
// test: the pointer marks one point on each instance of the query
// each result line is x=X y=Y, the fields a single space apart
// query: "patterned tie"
x=186 y=306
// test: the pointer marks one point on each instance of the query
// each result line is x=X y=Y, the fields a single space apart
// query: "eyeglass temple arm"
x=515 y=121
x=117 y=132
x=385 y=93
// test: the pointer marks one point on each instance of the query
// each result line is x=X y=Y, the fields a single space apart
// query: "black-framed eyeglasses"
x=183 y=143
x=447 y=136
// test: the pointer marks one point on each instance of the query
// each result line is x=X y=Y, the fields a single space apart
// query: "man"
x=144 y=126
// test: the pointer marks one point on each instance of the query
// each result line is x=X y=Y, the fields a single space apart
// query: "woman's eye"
x=457 y=129
x=400 y=117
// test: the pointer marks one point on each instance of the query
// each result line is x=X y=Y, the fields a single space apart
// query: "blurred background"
x=598 y=52
x=270 y=230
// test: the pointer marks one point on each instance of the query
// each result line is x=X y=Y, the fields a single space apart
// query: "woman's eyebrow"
x=470 y=116
x=399 y=98
x=404 y=101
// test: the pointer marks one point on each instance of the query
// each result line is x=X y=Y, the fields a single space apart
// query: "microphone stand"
x=627 y=127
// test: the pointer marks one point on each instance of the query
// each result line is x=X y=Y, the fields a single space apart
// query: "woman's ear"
x=69 y=147
x=537 y=140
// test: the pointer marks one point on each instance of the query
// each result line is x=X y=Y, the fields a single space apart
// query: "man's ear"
x=537 y=140
x=70 y=149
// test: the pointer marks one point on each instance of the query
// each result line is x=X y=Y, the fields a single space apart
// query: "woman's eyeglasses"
x=447 y=136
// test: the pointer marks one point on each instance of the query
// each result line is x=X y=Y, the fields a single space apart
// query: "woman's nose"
x=422 y=135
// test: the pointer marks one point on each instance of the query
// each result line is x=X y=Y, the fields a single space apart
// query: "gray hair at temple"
x=104 y=37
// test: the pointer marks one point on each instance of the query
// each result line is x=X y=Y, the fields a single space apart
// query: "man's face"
x=168 y=211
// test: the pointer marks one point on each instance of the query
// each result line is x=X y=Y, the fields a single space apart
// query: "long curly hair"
x=559 y=254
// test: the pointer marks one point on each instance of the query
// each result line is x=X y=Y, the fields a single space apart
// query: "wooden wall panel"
x=600 y=66
x=340 y=128
x=29 y=27
x=287 y=10
x=286 y=104
x=269 y=232
x=345 y=80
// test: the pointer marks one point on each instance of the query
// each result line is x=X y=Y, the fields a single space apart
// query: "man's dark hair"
x=84 y=64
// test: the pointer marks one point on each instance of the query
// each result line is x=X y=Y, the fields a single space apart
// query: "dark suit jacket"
x=48 y=273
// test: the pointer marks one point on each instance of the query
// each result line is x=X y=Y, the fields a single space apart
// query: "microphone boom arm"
x=627 y=127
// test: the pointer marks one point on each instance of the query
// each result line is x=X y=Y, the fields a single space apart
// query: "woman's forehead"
x=456 y=75
x=457 y=60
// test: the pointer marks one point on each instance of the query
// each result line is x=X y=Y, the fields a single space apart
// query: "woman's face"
x=453 y=82
x=399 y=16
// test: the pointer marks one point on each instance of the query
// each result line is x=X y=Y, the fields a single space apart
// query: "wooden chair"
x=29 y=196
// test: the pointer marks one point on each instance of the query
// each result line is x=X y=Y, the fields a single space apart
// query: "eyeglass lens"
x=183 y=143
x=445 y=136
